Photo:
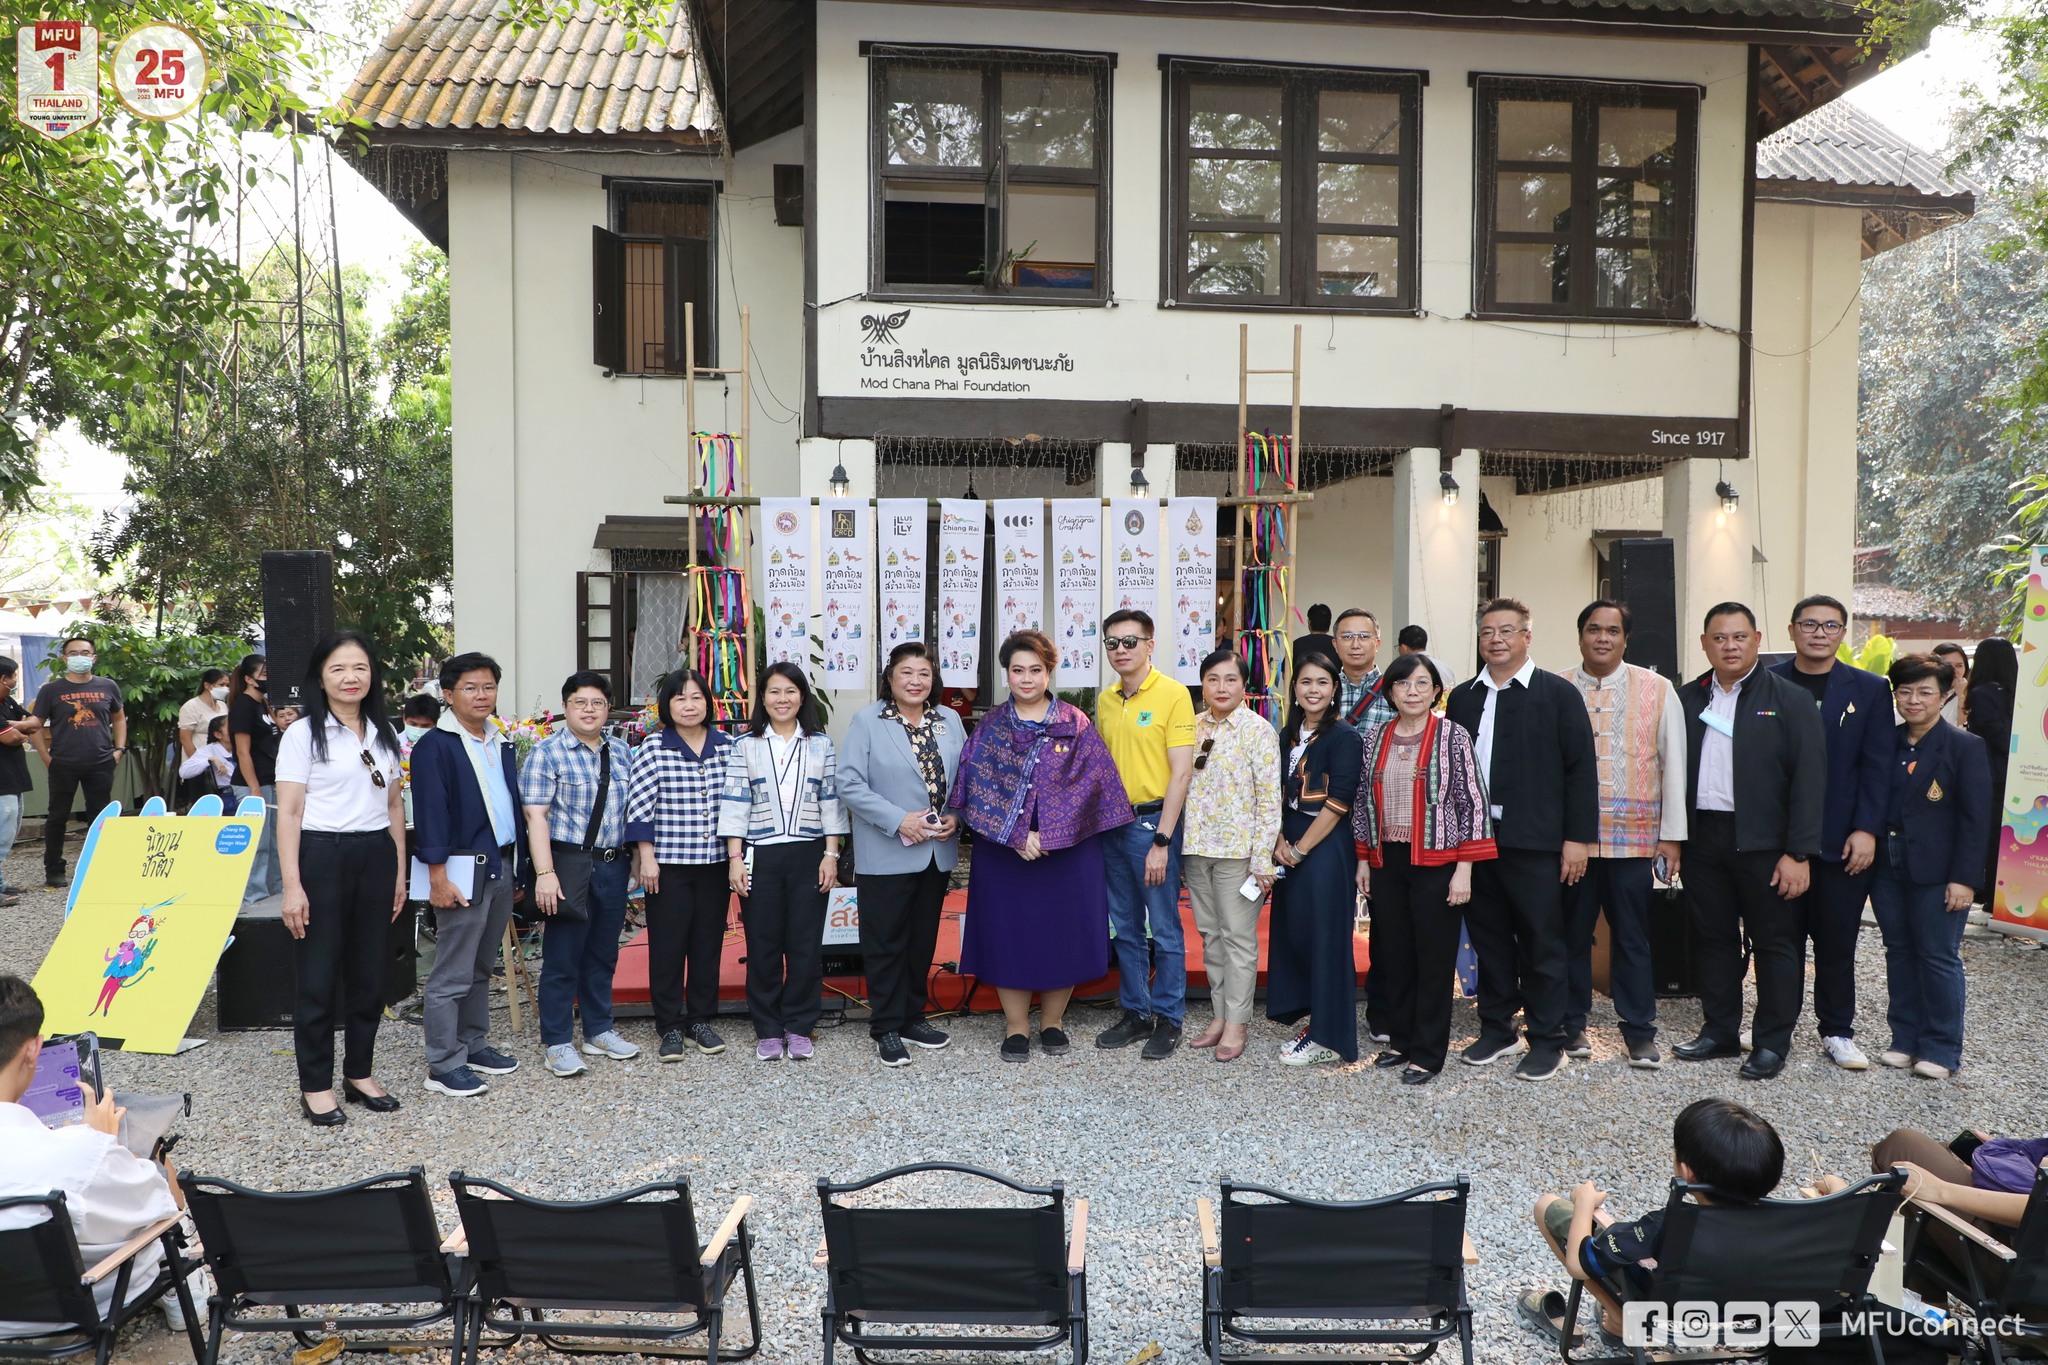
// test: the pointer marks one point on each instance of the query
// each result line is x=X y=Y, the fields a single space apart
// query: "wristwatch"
x=1161 y=840
x=1796 y=857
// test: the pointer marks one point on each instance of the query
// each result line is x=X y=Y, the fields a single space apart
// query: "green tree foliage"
x=157 y=673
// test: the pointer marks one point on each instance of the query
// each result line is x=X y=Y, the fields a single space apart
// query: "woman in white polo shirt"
x=340 y=827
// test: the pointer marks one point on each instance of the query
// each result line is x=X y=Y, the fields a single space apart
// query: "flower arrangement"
x=525 y=733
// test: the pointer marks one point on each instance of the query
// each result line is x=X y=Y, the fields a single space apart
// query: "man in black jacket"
x=1534 y=743
x=1755 y=789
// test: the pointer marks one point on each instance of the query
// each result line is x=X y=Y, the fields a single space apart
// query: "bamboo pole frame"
x=1279 y=582
x=699 y=464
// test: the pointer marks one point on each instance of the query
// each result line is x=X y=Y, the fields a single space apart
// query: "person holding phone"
x=895 y=773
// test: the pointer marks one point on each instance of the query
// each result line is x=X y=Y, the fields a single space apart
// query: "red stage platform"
x=629 y=985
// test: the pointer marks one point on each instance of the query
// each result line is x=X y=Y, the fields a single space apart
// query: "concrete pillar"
x=1436 y=553
x=1711 y=548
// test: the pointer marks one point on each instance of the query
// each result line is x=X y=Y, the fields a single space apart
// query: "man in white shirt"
x=111 y=1193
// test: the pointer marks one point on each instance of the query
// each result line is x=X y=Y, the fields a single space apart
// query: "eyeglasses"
x=1202 y=755
x=1357 y=636
x=1819 y=627
x=1502 y=632
x=376 y=773
x=1124 y=641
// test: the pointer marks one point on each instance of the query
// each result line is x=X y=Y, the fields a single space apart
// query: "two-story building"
x=1533 y=245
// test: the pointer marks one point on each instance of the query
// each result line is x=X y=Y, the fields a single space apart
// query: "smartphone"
x=1660 y=870
x=931 y=817
x=68 y=1064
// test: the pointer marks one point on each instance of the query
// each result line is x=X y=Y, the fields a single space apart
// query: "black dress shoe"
x=1391 y=1058
x=1705 y=1049
x=376 y=1104
x=1762 y=1065
x=333 y=1118
x=1416 y=1075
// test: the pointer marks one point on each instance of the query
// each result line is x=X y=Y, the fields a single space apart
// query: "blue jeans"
x=1923 y=962
x=578 y=957
x=266 y=878
x=10 y=825
x=1160 y=959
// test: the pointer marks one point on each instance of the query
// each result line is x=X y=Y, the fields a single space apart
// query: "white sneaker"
x=1898 y=1061
x=610 y=1044
x=1933 y=1071
x=1309 y=1054
x=1844 y=1053
x=563 y=1061
x=1294 y=1044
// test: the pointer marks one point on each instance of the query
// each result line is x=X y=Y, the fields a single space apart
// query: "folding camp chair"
x=1776 y=1251
x=370 y=1243
x=635 y=1252
x=43 y=1279
x=2005 y=1288
x=1384 y=1261
x=997 y=1268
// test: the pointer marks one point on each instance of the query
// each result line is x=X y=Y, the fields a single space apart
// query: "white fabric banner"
x=1020 y=565
x=1133 y=556
x=900 y=550
x=849 y=587
x=1191 y=550
x=1077 y=590
x=960 y=532
x=786 y=579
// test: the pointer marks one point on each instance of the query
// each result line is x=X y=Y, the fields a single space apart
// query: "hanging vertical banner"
x=1134 y=556
x=2019 y=902
x=57 y=76
x=1077 y=590
x=1191 y=550
x=899 y=558
x=785 y=594
x=1020 y=565
x=848 y=590
x=960 y=549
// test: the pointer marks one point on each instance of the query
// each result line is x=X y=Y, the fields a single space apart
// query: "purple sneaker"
x=768 y=1050
x=799 y=1047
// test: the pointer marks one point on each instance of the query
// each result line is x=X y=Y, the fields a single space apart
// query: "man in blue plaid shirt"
x=1361 y=701
x=574 y=790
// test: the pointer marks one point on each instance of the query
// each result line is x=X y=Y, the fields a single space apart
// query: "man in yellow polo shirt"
x=1148 y=722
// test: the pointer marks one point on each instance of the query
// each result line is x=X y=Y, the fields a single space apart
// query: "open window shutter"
x=601 y=625
x=689 y=274
x=607 y=300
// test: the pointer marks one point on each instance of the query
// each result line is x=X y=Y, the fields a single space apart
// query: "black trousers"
x=1516 y=920
x=1832 y=916
x=1414 y=953
x=350 y=880
x=65 y=781
x=1620 y=887
x=1732 y=892
x=899 y=932
x=685 y=940
x=784 y=916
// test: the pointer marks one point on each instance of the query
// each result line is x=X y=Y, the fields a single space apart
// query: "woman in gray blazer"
x=896 y=768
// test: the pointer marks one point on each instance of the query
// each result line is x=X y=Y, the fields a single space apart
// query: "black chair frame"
x=1442 y=1251
x=1880 y=1195
x=1062 y=1311
x=2021 y=1276
x=716 y=1266
x=48 y=1253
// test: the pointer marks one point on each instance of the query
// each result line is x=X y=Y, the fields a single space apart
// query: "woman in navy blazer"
x=1928 y=864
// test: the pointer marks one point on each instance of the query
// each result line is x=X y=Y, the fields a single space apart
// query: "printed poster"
x=1020 y=565
x=1191 y=549
x=57 y=76
x=900 y=550
x=1077 y=590
x=2020 y=901
x=961 y=523
x=785 y=594
x=1134 y=556
x=847 y=586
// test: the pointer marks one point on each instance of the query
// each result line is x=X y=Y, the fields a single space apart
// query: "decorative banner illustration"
x=1077 y=590
x=900 y=550
x=159 y=71
x=1020 y=565
x=960 y=550
x=154 y=905
x=785 y=594
x=1133 y=556
x=57 y=77
x=1191 y=550
x=2020 y=902
x=849 y=554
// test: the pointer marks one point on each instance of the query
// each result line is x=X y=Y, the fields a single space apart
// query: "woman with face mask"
x=253 y=737
x=196 y=714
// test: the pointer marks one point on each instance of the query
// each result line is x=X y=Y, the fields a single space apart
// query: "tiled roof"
x=454 y=66
x=1766 y=9
x=1841 y=144
x=1882 y=601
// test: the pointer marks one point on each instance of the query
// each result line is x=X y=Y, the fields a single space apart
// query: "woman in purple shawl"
x=1036 y=786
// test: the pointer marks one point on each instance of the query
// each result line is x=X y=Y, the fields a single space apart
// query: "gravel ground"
x=1141 y=1141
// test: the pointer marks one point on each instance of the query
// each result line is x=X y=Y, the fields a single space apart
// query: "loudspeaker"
x=1674 y=944
x=258 y=977
x=1645 y=580
x=298 y=612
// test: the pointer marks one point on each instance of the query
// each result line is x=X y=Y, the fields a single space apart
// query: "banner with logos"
x=1020 y=565
x=960 y=550
x=1077 y=590
x=848 y=588
x=1191 y=551
x=1133 y=556
x=785 y=594
x=899 y=558
x=2019 y=903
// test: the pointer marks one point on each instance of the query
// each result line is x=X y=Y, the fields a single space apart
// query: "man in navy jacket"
x=1856 y=710
x=465 y=808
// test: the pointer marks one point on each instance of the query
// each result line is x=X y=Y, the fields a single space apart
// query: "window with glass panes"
x=989 y=173
x=1292 y=186
x=1586 y=198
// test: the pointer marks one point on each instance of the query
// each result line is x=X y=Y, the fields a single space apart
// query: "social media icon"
x=1644 y=1323
x=1746 y=1323
x=1795 y=1322
x=1693 y=1323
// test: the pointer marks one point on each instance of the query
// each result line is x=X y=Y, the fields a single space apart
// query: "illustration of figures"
x=128 y=961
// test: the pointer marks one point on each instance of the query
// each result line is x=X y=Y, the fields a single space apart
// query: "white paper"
x=847 y=586
x=461 y=870
x=960 y=551
x=1134 y=556
x=900 y=552
x=786 y=579
x=1077 y=590
x=1191 y=551
x=1020 y=565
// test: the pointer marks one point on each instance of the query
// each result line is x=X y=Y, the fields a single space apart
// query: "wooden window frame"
x=1299 y=158
x=1584 y=240
x=608 y=283
x=993 y=174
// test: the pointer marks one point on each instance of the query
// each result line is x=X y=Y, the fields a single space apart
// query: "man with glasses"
x=1148 y=722
x=1756 y=780
x=1534 y=744
x=1856 y=712
x=1361 y=701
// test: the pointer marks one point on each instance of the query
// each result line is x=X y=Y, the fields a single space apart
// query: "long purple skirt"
x=1036 y=926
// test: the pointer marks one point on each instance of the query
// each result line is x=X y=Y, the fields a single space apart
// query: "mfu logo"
x=1740 y=1325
